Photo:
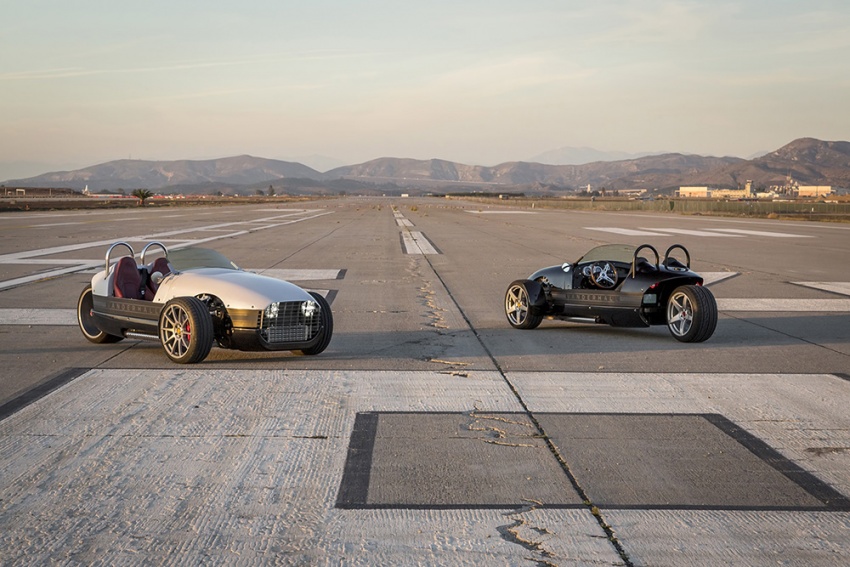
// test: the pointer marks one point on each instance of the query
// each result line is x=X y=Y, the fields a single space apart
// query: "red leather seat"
x=127 y=281
x=160 y=265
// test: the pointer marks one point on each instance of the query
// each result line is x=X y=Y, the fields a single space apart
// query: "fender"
x=536 y=296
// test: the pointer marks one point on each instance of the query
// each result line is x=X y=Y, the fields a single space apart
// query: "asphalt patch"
x=620 y=461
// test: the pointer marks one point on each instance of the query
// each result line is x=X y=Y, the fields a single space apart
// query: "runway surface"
x=430 y=431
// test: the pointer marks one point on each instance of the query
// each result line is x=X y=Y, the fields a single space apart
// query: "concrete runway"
x=430 y=432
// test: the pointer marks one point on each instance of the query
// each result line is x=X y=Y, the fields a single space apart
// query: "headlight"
x=309 y=308
x=272 y=311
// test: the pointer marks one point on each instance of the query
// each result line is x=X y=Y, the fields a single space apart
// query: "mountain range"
x=807 y=161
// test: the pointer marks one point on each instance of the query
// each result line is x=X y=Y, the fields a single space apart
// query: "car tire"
x=85 y=318
x=186 y=330
x=518 y=307
x=327 y=324
x=691 y=314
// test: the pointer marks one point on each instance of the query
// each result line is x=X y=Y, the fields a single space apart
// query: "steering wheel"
x=603 y=274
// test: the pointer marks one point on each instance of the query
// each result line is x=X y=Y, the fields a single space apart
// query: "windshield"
x=189 y=258
x=611 y=252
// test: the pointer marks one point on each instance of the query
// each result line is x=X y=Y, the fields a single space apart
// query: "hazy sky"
x=475 y=81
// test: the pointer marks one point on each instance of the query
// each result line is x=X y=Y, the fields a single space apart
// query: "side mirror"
x=157 y=277
x=566 y=267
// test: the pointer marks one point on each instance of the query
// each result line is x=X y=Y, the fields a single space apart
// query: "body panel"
x=238 y=289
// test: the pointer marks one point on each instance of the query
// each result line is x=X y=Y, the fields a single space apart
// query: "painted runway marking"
x=501 y=212
x=417 y=243
x=55 y=224
x=625 y=231
x=714 y=277
x=299 y=274
x=56 y=317
x=761 y=233
x=835 y=287
x=689 y=232
x=711 y=232
x=784 y=305
x=403 y=222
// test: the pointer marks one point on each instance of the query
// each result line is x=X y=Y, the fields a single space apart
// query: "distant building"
x=729 y=194
x=708 y=193
x=814 y=190
x=694 y=192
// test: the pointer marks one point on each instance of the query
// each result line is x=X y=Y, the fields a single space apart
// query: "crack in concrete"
x=498 y=436
x=512 y=533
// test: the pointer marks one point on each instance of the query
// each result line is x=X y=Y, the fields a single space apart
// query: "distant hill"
x=641 y=172
x=134 y=174
x=807 y=160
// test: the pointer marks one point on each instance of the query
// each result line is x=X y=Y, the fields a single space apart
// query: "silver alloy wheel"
x=680 y=313
x=175 y=330
x=186 y=330
x=516 y=305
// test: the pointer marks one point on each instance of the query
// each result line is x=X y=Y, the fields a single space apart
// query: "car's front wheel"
x=186 y=330
x=691 y=314
x=518 y=307
x=327 y=325
x=85 y=318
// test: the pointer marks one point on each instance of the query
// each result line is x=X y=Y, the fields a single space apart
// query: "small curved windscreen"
x=611 y=252
x=191 y=258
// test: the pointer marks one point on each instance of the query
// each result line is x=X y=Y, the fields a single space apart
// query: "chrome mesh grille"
x=290 y=324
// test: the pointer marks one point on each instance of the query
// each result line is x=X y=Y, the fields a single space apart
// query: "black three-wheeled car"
x=616 y=284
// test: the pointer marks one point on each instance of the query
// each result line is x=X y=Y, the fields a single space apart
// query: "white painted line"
x=626 y=231
x=298 y=274
x=416 y=243
x=403 y=222
x=785 y=305
x=54 y=224
x=49 y=262
x=38 y=317
x=761 y=233
x=48 y=275
x=835 y=287
x=714 y=277
x=688 y=232
x=501 y=212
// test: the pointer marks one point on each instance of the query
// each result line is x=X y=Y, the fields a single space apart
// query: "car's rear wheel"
x=691 y=314
x=518 y=307
x=186 y=330
x=85 y=318
x=327 y=324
